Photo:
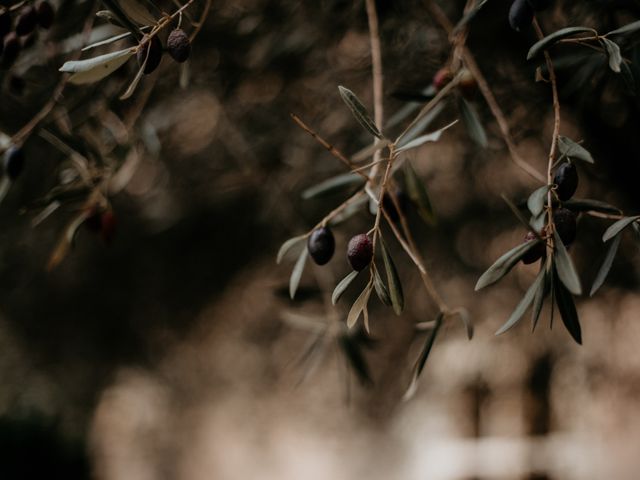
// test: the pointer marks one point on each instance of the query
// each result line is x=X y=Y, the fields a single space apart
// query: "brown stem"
x=487 y=93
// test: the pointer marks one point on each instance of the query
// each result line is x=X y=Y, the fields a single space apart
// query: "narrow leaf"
x=418 y=194
x=564 y=266
x=422 y=359
x=472 y=123
x=468 y=16
x=421 y=140
x=524 y=303
x=288 y=245
x=547 y=41
x=617 y=227
x=134 y=83
x=537 y=200
x=606 y=265
x=359 y=111
x=628 y=28
x=296 y=273
x=358 y=306
x=333 y=185
x=568 y=311
x=613 y=52
x=587 y=205
x=381 y=289
x=395 y=287
x=96 y=68
x=106 y=41
x=571 y=149
x=342 y=286
x=464 y=315
x=504 y=264
x=538 y=300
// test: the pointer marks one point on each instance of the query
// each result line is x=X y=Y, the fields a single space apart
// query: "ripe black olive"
x=179 y=45
x=520 y=15
x=360 y=252
x=154 y=47
x=566 y=225
x=566 y=178
x=536 y=252
x=321 y=245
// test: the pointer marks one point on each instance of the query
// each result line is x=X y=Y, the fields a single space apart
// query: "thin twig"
x=556 y=132
x=487 y=93
x=330 y=148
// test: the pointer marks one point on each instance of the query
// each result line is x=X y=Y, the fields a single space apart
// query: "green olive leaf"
x=547 y=41
x=359 y=111
x=359 y=306
x=504 y=264
x=571 y=149
x=568 y=312
x=613 y=52
x=606 y=265
x=395 y=287
x=288 y=245
x=418 y=194
x=472 y=123
x=619 y=226
x=537 y=199
x=342 y=286
x=524 y=303
x=564 y=266
x=422 y=358
x=296 y=273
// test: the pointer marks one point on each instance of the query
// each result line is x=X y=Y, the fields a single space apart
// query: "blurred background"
x=164 y=355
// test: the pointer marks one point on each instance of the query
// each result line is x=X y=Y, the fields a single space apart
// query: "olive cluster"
x=321 y=246
x=565 y=182
x=522 y=12
x=18 y=29
x=151 y=50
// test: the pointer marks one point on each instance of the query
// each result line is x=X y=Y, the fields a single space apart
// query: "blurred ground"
x=166 y=355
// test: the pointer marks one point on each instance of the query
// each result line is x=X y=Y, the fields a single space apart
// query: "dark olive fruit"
x=11 y=49
x=539 y=5
x=5 y=23
x=46 y=14
x=566 y=225
x=154 y=47
x=26 y=21
x=360 y=252
x=13 y=162
x=536 y=252
x=520 y=15
x=389 y=206
x=442 y=77
x=321 y=245
x=566 y=178
x=179 y=45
